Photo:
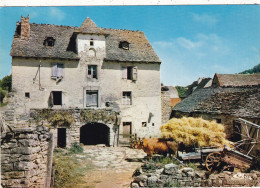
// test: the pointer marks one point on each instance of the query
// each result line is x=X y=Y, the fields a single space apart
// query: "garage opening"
x=61 y=141
x=94 y=133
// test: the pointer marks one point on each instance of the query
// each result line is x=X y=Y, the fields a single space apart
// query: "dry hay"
x=195 y=131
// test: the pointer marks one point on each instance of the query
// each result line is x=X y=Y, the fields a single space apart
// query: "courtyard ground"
x=104 y=166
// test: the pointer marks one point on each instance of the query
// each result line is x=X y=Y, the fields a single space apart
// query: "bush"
x=76 y=148
x=6 y=83
x=2 y=95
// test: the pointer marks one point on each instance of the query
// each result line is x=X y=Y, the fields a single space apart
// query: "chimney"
x=25 y=28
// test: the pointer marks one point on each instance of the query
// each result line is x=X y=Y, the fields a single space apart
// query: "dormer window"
x=124 y=45
x=49 y=41
x=91 y=42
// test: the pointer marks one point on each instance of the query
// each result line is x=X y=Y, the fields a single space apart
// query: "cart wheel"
x=213 y=161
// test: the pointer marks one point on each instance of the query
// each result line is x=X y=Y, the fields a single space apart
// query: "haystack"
x=195 y=131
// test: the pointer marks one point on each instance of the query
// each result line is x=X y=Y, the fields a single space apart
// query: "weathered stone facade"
x=77 y=51
x=166 y=106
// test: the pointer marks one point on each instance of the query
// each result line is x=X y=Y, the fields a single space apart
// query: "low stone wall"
x=172 y=175
x=26 y=155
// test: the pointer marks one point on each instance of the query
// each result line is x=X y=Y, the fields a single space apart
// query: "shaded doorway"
x=61 y=141
x=94 y=133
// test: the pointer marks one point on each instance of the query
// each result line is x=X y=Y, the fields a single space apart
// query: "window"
x=27 y=94
x=127 y=98
x=144 y=124
x=91 y=43
x=56 y=98
x=49 y=41
x=152 y=124
x=57 y=70
x=218 y=120
x=129 y=73
x=92 y=71
x=124 y=45
x=92 y=98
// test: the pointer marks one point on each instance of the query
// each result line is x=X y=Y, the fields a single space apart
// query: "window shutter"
x=88 y=99
x=124 y=73
x=94 y=99
x=134 y=76
x=54 y=70
x=59 y=70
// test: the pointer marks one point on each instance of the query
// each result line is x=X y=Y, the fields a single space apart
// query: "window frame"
x=57 y=70
x=92 y=92
x=127 y=99
x=90 y=71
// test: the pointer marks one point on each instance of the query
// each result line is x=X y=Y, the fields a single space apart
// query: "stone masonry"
x=172 y=175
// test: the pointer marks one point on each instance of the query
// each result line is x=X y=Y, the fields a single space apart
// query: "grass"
x=3 y=104
x=70 y=167
x=172 y=184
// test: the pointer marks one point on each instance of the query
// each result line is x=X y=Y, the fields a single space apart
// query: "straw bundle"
x=194 y=131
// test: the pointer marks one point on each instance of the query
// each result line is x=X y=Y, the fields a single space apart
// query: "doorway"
x=61 y=141
x=94 y=133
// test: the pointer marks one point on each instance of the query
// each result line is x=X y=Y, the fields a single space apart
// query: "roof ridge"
x=54 y=25
x=122 y=30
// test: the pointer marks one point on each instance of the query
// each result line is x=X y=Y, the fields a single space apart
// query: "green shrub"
x=76 y=148
x=2 y=95
x=172 y=184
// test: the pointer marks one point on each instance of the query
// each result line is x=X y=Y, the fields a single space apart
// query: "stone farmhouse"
x=103 y=71
x=230 y=97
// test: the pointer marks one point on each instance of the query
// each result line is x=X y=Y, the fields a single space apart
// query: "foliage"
x=6 y=83
x=2 y=95
x=166 y=160
x=76 y=148
x=255 y=69
x=61 y=119
x=194 y=131
x=181 y=90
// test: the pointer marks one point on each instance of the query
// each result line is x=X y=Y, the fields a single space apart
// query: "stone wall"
x=24 y=157
x=166 y=106
x=172 y=175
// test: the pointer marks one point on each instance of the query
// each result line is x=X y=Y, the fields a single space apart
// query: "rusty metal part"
x=213 y=161
x=237 y=159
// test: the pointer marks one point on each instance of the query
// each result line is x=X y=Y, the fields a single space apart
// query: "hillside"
x=255 y=69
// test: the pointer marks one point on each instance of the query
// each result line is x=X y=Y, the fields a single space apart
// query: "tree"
x=6 y=83
x=2 y=95
x=255 y=69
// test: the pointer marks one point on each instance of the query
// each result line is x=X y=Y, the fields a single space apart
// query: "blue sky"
x=191 y=41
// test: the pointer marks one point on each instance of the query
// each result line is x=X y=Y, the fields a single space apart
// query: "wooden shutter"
x=54 y=70
x=124 y=73
x=88 y=99
x=94 y=99
x=59 y=70
x=134 y=72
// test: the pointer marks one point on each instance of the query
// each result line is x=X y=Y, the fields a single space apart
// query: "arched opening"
x=94 y=133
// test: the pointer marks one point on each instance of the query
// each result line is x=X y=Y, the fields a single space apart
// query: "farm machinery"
x=239 y=156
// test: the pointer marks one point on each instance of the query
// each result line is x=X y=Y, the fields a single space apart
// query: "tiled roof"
x=140 y=49
x=240 y=102
x=236 y=80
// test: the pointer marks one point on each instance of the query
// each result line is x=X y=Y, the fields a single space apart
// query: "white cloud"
x=186 y=59
x=205 y=19
x=56 y=13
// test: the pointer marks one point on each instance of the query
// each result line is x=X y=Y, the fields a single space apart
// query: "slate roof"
x=240 y=102
x=200 y=83
x=236 y=80
x=65 y=47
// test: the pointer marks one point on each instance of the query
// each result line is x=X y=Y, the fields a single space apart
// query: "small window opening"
x=124 y=45
x=27 y=94
x=144 y=124
x=129 y=73
x=91 y=42
x=49 y=41
x=218 y=120
x=127 y=98
x=152 y=124
x=57 y=97
x=92 y=71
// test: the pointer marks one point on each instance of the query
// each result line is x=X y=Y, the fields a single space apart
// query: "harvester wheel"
x=213 y=161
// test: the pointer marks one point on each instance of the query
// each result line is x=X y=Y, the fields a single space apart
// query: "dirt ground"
x=112 y=167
